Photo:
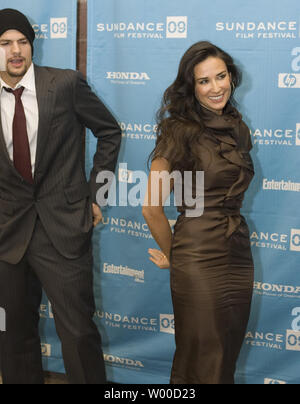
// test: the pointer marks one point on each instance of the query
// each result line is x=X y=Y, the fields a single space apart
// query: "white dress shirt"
x=30 y=104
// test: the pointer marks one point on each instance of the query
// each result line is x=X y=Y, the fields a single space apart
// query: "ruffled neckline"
x=232 y=134
x=234 y=138
x=228 y=127
x=229 y=118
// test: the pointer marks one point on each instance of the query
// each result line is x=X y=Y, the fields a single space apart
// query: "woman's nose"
x=215 y=86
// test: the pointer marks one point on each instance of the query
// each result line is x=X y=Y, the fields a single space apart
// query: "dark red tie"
x=22 y=158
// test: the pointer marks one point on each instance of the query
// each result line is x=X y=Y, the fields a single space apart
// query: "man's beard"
x=17 y=74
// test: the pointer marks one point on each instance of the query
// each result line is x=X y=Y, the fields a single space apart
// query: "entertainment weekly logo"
x=175 y=27
x=57 y=28
x=283 y=185
x=137 y=275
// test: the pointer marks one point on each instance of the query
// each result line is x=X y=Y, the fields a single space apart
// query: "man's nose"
x=16 y=48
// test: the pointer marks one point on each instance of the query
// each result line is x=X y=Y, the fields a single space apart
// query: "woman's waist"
x=230 y=207
x=223 y=219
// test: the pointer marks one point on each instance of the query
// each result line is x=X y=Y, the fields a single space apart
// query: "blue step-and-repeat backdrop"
x=134 y=49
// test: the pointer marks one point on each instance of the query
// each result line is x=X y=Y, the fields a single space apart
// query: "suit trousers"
x=69 y=287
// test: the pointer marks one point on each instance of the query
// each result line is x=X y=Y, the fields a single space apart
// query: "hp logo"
x=290 y=80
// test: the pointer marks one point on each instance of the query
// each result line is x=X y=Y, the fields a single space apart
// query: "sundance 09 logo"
x=277 y=241
x=175 y=27
x=279 y=137
x=259 y=30
x=167 y=323
x=163 y=323
x=295 y=240
x=57 y=29
x=288 y=340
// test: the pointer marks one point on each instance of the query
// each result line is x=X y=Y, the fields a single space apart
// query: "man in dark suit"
x=47 y=208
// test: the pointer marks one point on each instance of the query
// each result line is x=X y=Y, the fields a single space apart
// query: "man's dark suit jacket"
x=61 y=195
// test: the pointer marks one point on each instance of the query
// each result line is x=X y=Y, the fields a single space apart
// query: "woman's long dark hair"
x=179 y=118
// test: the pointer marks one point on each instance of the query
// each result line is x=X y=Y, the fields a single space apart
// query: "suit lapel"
x=46 y=99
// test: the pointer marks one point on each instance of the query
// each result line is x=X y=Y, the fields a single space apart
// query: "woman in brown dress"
x=210 y=256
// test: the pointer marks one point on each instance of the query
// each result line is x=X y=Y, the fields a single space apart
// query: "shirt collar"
x=28 y=81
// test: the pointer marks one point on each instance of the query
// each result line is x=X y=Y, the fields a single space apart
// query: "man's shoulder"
x=64 y=74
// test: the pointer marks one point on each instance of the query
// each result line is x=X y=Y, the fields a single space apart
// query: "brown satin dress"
x=212 y=267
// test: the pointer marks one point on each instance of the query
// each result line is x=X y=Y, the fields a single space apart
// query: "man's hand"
x=97 y=214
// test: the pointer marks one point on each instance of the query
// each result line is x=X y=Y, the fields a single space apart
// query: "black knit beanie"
x=13 y=19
